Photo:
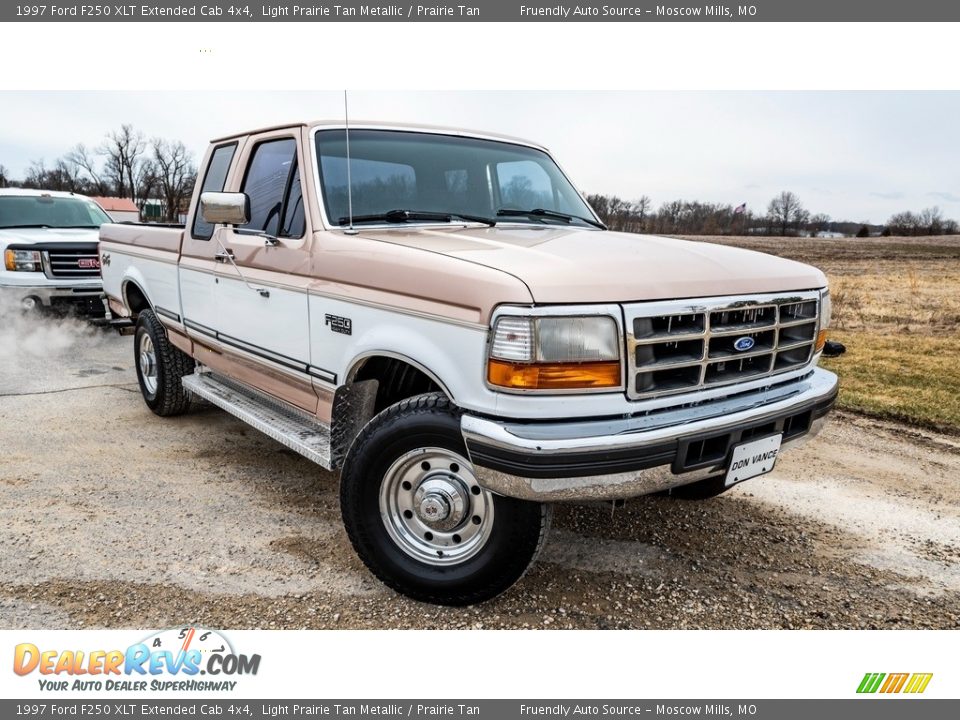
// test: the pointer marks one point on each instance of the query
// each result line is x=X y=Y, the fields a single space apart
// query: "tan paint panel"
x=406 y=277
x=359 y=124
x=295 y=390
x=566 y=265
x=177 y=339
x=142 y=236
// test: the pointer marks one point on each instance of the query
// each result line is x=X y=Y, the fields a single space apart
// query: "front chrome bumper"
x=45 y=293
x=637 y=455
x=49 y=295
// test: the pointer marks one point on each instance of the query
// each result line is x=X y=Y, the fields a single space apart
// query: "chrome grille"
x=80 y=261
x=683 y=345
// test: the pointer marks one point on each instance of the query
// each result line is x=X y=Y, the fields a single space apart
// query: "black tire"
x=700 y=490
x=516 y=528
x=168 y=397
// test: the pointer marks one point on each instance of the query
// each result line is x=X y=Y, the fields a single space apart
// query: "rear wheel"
x=419 y=519
x=160 y=367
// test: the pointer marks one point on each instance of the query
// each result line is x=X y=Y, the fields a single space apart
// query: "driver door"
x=263 y=271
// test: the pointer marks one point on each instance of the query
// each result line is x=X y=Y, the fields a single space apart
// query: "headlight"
x=555 y=353
x=22 y=260
x=826 y=310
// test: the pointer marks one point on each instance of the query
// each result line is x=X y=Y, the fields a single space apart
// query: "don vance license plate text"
x=753 y=458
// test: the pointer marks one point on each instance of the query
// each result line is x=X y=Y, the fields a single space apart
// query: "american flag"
x=740 y=209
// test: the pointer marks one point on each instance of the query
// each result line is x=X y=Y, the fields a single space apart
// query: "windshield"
x=426 y=173
x=50 y=211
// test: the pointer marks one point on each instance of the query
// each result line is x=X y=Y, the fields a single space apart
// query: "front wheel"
x=419 y=519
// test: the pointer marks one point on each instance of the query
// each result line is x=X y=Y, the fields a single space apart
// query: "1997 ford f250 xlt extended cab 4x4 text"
x=440 y=316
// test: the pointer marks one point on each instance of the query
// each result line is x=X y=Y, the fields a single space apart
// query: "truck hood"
x=566 y=265
x=32 y=236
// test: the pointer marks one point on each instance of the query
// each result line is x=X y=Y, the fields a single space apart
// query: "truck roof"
x=360 y=124
x=30 y=192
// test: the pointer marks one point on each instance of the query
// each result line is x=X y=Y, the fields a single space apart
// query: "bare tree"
x=175 y=175
x=619 y=214
x=931 y=221
x=128 y=164
x=818 y=223
x=641 y=208
x=903 y=223
x=786 y=212
x=64 y=175
x=81 y=157
x=4 y=177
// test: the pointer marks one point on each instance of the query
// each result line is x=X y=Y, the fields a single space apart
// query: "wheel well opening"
x=136 y=300
x=397 y=379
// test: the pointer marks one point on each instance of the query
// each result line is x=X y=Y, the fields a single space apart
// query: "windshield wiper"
x=11 y=227
x=552 y=214
x=402 y=216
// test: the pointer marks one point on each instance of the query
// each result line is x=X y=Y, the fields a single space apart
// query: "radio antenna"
x=346 y=122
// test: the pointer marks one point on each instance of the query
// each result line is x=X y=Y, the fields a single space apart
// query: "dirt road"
x=112 y=517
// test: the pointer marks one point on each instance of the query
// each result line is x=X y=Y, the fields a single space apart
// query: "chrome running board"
x=286 y=424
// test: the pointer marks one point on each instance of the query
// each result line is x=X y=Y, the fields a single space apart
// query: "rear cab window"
x=272 y=182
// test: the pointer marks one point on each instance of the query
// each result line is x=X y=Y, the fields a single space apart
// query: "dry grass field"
x=896 y=306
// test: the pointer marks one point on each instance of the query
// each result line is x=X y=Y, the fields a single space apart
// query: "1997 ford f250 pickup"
x=440 y=316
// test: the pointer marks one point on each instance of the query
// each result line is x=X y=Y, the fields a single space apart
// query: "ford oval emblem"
x=743 y=344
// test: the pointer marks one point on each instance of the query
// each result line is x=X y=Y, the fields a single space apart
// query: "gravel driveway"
x=112 y=517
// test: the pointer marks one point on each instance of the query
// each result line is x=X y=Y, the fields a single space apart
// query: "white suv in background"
x=49 y=244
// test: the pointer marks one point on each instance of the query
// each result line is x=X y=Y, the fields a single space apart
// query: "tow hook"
x=833 y=349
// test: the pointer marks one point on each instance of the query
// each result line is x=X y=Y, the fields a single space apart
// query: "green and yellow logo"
x=913 y=683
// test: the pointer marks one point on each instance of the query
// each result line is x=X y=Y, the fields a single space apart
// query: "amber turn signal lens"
x=554 y=376
x=821 y=340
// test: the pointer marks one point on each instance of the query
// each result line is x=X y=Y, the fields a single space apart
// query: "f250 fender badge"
x=338 y=324
x=742 y=344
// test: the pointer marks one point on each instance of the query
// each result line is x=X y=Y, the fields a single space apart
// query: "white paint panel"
x=161 y=283
x=199 y=300
x=112 y=274
x=277 y=323
x=452 y=353
x=157 y=279
x=455 y=355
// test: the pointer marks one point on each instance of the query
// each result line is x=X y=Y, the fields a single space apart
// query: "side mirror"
x=224 y=208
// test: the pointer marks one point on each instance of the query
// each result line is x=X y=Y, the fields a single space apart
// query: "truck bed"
x=145 y=254
x=143 y=235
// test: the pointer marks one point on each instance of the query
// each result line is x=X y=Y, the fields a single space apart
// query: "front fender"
x=451 y=353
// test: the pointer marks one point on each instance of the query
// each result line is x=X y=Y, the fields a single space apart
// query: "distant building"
x=155 y=210
x=120 y=209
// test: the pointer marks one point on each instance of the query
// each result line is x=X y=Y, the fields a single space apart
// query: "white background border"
x=636 y=56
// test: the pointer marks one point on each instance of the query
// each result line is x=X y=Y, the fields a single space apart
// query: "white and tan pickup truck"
x=439 y=316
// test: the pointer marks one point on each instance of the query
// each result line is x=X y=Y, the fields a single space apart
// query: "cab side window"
x=272 y=183
x=214 y=180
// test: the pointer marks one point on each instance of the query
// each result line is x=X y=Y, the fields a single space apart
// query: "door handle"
x=224 y=256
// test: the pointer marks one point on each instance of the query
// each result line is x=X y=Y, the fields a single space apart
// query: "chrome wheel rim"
x=433 y=507
x=148 y=364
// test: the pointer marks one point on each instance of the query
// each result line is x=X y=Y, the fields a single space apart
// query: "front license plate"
x=753 y=458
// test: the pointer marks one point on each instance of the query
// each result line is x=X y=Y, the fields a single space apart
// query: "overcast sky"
x=853 y=155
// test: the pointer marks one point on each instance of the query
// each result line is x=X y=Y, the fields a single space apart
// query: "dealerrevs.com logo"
x=179 y=659
x=887 y=684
